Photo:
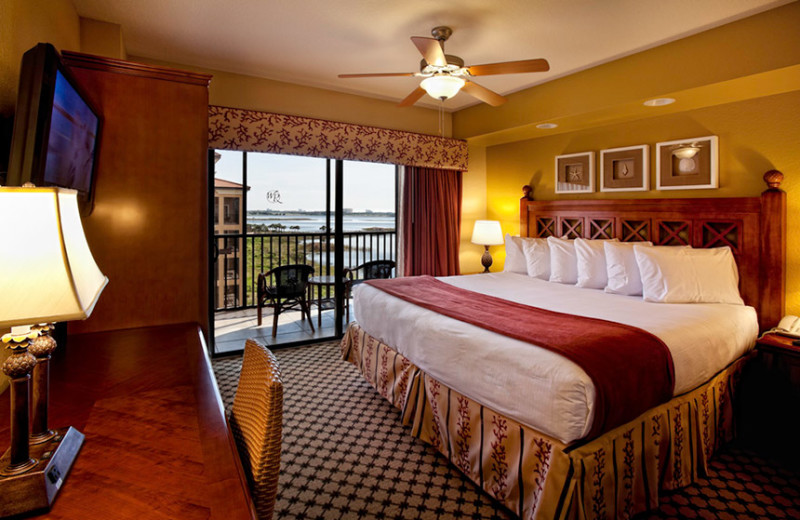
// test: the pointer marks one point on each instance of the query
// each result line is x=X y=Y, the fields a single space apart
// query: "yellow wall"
x=752 y=57
x=740 y=81
x=23 y=24
x=473 y=207
x=754 y=136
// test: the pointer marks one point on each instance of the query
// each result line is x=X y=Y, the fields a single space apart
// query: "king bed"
x=535 y=425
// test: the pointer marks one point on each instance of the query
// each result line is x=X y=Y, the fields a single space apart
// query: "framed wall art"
x=688 y=164
x=575 y=173
x=625 y=169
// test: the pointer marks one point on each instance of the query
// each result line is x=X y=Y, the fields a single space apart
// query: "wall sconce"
x=47 y=275
x=487 y=233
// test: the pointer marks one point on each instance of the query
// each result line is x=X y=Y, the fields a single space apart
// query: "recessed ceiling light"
x=547 y=126
x=659 y=102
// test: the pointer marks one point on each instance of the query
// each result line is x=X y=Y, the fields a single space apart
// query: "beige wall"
x=102 y=39
x=740 y=82
x=249 y=92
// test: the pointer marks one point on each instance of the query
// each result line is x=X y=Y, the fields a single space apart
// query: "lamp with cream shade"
x=47 y=275
x=487 y=233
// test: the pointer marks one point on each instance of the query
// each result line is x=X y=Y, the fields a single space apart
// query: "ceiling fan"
x=445 y=75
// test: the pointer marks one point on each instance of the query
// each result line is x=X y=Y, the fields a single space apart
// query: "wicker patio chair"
x=288 y=292
x=366 y=271
x=256 y=421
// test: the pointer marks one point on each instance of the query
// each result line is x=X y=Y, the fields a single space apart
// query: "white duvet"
x=532 y=385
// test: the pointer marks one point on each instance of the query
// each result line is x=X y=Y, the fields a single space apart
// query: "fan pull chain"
x=441 y=118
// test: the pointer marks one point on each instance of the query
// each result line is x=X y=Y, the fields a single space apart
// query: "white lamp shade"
x=47 y=272
x=487 y=233
x=442 y=86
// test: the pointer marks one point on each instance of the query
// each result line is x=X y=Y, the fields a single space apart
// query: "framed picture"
x=688 y=164
x=575 y=173
x=625 y=169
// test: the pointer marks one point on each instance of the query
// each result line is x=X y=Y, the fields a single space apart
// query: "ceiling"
x=309 y=42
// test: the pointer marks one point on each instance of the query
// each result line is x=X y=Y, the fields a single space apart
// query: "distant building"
x=229 y=265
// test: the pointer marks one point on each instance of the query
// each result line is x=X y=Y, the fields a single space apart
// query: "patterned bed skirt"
x=615 y=475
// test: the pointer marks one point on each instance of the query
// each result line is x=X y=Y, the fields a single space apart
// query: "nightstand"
x=770 y=417
x=782 y=359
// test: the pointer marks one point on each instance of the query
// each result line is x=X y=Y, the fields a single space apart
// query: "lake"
x=313 y=223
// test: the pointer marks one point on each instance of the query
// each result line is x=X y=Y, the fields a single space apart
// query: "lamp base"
x=486 y=260
x=36 y=489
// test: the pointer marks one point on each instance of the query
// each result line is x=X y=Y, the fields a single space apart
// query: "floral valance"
x=253 y=131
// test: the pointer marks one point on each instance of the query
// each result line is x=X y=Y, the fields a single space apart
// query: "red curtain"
x=431 y=226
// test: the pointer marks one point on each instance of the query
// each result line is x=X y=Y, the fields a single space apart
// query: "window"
x=284 y=210
x=231 y=210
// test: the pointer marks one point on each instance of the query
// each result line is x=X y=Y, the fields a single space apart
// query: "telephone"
x=789 y=326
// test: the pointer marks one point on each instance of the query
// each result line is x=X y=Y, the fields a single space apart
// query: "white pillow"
x=686 y=275
x=563 y=260
x=591 y=263
x=537 y=256
x=515 y=258
x=621 y=268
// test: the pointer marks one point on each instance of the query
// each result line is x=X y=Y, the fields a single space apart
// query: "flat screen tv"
x=56 y=128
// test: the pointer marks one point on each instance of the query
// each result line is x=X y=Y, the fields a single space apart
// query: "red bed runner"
x=631 y=369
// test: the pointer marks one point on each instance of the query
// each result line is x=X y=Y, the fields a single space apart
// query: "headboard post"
x=773 y=251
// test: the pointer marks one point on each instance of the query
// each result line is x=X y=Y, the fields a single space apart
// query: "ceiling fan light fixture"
x=442 y=86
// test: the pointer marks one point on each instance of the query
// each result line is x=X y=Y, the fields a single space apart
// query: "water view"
x=315 y=223
x=285 y=222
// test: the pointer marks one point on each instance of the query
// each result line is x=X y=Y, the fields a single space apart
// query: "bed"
x=517 y=420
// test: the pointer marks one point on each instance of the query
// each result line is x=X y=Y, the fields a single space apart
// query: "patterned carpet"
x=346 y=455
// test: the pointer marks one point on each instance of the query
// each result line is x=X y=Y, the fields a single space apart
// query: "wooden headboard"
x=753 y=227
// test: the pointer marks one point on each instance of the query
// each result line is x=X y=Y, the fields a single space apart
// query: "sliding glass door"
x=272 y=211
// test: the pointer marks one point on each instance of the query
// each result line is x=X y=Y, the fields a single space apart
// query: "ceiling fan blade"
x=510 y=67
x=431 y=50
x=483 y=93
x=412 y=98
x=377 y=75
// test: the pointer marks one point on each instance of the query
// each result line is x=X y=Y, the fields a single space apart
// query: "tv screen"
x=56 y=128
x=71 y=144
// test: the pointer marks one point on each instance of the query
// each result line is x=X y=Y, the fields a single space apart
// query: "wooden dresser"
x=157 y=443
x=149 y=229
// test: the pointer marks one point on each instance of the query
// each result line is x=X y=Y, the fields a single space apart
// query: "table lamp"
x=47 y=274
x=487 y=233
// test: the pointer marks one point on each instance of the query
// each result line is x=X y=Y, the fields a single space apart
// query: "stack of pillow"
x=663 y=274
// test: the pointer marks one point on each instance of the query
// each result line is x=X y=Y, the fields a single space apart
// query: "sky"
x=299 y=182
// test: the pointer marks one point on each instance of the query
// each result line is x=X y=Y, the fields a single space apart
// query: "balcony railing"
x=260 y=252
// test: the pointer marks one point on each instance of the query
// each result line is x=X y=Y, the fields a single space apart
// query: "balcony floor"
x=232 y=328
